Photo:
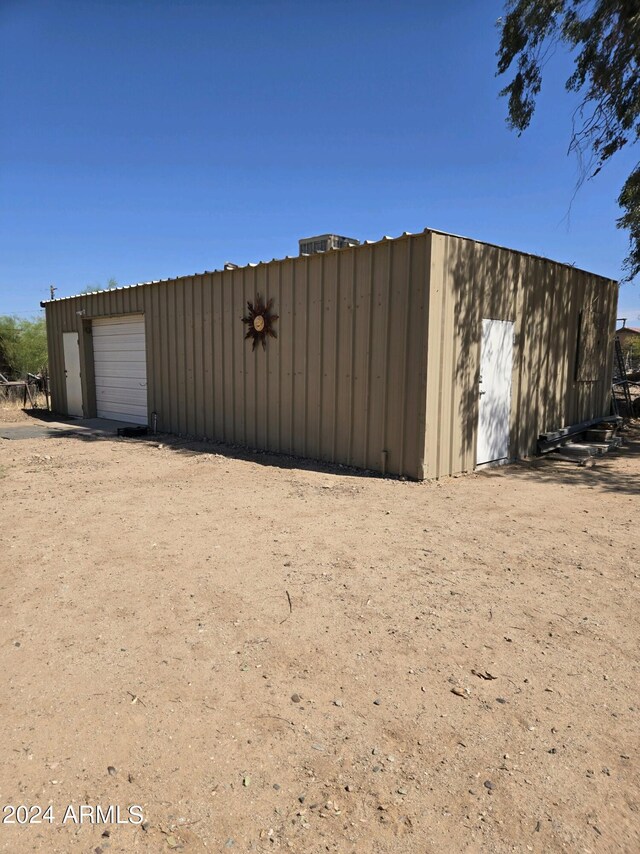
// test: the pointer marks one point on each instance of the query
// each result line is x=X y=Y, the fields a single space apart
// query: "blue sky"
x=143 y=139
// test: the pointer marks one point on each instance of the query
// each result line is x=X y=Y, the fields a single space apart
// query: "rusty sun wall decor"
x=260 y=321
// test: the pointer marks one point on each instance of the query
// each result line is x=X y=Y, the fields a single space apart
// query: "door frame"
x=508 y=331
x=72 y=374
x=104 y=321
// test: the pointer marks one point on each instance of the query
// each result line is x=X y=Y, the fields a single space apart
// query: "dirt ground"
x=265 y=654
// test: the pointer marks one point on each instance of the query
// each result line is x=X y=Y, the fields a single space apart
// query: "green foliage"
x=91 y=289
x=633 y=348
x=629 y=201
x=23 y=346
x=8 y=343
x=603 y=36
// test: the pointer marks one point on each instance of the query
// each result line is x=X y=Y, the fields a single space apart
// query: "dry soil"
x=266 y=654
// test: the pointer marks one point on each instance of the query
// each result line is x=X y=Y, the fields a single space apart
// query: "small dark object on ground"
x=133 y=432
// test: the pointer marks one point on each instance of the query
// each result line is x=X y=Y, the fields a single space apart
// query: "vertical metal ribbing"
x=320 y=358
x=181 y=361
x=223 y=358
x=279 y=303
x=203 y=382
x=252 y=367
x=353 y=358
x=293 y=358
x=442 y=360
x=244 y=364
x=368 y=364
x=191 y=328
x=387 y=336
x=305 y=436
x=265 y=414
x=175 y=382
x=235 y=436
x=405 y=346
x=336 y=338
x=254 y=359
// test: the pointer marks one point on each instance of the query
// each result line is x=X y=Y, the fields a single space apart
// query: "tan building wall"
x=471 y=281
x=376 y=363
x=343 y=382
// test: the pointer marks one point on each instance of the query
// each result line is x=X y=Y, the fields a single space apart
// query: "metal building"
x=424 y=355
x=325 y=242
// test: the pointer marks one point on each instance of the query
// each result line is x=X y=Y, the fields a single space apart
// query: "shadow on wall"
x=484 y=281
x=466 y=282
x=545 y=301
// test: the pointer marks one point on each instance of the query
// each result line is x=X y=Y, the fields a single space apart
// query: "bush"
x=23 y=346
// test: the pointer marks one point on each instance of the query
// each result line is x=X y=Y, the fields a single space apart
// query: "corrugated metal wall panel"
x=396 y=356
x=259 y=388
x=471 y=281
x=153 y=366
x=415 y=380
x=313 y=379
x=433 y=426
x=180 y=359
x=247 y=364
x=285 y=326
x=344 y=380
x=378 y=351
x=188 y=336
x=205 y=365
x=273 y=390
x=363 y=262
x=217 y=335
x=328 y=310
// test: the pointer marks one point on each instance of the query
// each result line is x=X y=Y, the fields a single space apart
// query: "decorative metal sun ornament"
x=260 y=320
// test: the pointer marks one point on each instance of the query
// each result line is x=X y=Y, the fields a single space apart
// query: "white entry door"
x=73 y=382
x=496 y=366
x=120 y=360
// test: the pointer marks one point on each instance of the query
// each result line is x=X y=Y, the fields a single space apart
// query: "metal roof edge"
x=353 y=248
x=522 y=252
x=249 y=265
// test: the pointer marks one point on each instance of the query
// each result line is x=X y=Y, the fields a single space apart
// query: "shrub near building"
x=23 y=346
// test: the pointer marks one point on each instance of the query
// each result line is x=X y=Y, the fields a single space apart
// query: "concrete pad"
x=78 y=428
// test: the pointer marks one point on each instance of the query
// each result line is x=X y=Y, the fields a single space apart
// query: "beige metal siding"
x=376 y=363
x=343 y=382
x=471 y=281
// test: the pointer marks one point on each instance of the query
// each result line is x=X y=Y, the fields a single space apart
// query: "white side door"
x=72 y=373
x=496 y=366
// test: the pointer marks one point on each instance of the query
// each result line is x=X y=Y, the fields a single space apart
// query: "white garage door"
x=120 y=362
